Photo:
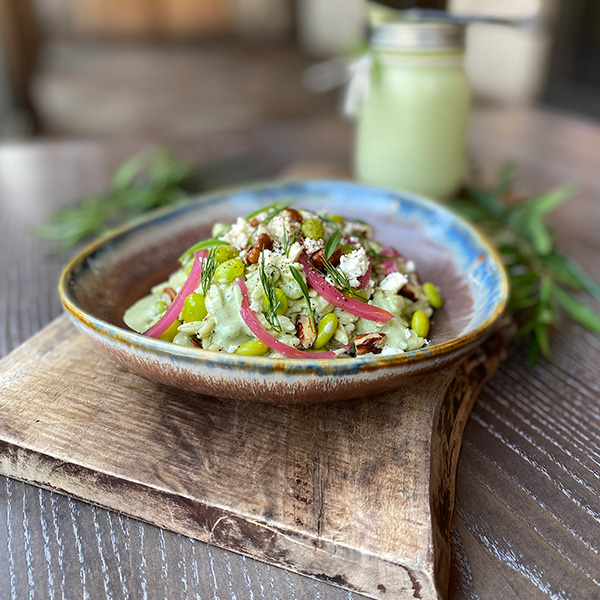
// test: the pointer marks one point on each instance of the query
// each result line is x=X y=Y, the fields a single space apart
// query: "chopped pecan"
x=170 y=294
x=263 y=241
x=254 y=222
x=410 y=291
x=196 y=342
x=369 y=342
x=305 y=331
x=318 y=258
x=294 y=215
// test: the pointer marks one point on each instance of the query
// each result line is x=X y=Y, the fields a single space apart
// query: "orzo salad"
x=291 y=282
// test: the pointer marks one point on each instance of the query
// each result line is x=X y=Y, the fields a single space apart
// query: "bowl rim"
x=330 y=366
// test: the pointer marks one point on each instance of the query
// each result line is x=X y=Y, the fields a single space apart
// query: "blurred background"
x=181 y=67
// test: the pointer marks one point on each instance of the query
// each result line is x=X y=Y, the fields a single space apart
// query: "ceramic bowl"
x=108 y=276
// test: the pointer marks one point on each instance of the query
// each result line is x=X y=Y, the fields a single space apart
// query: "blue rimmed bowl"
x=108 y=276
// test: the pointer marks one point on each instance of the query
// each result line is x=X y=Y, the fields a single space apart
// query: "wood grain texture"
x=355 y=493
x=511 y=537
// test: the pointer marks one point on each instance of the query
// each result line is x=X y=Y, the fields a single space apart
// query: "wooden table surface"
x=527 y=516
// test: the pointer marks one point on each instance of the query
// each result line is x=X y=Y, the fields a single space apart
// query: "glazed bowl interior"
x=106 y=278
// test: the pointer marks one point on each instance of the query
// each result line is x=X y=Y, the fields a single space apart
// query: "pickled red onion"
x=390 y=266
x=335 y=297
x=190 y=285
x=265 y=337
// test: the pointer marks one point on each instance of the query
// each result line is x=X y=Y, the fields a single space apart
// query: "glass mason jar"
x=412 y=113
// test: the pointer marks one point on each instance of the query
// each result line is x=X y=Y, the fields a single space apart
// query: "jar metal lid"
x=423 y=36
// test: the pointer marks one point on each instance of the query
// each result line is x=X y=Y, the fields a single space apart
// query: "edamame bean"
x=325 y=330
x=433 y=295
x=223 y=253
x=194 y=308
x=313 y=229
x=279 y=297
x=252 y=348
x=229 y=270
x=170 y=333
x=420 y=323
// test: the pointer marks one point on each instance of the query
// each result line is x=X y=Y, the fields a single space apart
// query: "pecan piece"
x=294 y=215
x=170 y=295
x=369 y=342
x=410 y=291
x=254 y=222
x=305 y=331
x=196 y=342
x=263 y=241
x=318 y=258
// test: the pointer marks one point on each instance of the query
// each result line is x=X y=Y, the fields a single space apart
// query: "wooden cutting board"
x=358 y=493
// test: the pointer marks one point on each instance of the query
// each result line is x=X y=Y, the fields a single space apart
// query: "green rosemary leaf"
x=569 y=273
x=211 y=243
x=577 y=310
x=540 y=331
x=304 y=289
x=332 y=244
x=542 y=205
x=541 y=237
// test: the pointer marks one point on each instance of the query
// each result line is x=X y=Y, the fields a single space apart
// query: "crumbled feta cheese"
x=312 y=246
x=410 y=266
x=255 y=306
x=394 y=282
x=282 y=226
x=239 y=234
x=354 y=265
x=391 y=350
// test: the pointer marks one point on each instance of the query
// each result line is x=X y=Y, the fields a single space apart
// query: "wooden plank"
x=358 y=494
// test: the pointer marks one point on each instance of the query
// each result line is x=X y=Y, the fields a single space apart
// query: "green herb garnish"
x=273 y=303
x=279 y=208
x=209 y=266
x=332 y=244
x=341 y=281
x=304 y=289
x=287 y=243
x=212 y=243
x=542 y=278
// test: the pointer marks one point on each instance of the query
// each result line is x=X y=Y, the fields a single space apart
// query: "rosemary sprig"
x=150 y=179
x=209 y=266
x=273 y=303
x=543 y=279
x=304 y=289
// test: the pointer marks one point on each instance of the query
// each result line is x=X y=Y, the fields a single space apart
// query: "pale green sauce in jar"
x=412 y=123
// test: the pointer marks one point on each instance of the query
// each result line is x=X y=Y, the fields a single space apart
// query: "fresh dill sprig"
x=304 y=289
x=542 y=278
x=273 y=303
x=287 y=243
x=209 y=266
x=340 y=280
